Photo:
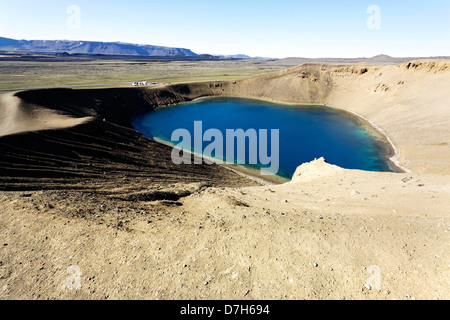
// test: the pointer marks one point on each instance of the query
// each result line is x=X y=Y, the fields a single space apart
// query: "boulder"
x=314 y=169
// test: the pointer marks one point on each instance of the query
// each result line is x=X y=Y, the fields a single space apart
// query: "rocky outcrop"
x=430 y=66
x=315 y=169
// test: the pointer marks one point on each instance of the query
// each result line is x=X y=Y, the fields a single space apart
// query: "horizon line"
x=235 y=54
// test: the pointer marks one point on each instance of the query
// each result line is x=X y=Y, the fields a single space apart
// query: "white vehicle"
x=140 y=83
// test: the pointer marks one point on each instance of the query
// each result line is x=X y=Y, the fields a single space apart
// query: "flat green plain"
x=38 y=74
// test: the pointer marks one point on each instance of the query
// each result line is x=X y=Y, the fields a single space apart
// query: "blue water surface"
x=305 y=132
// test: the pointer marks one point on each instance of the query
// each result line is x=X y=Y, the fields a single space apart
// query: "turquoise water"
x=305 y=132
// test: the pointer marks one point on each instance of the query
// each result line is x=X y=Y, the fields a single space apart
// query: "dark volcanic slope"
x=97 y=155
x=105 y=154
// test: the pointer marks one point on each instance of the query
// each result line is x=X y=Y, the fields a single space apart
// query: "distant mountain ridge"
x=236 y=56
x=91 y=47
x=381 y=59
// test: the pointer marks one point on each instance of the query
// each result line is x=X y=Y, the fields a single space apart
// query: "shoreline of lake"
x=377 y=140
x=391 y=149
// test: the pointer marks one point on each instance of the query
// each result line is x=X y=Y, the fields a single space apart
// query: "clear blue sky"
x=276 y=28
